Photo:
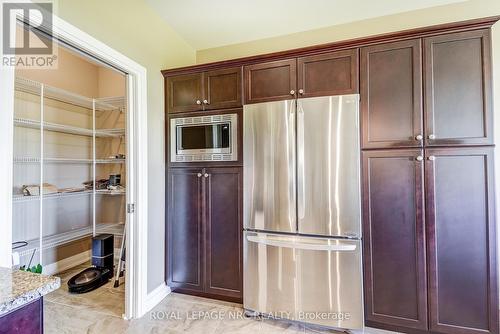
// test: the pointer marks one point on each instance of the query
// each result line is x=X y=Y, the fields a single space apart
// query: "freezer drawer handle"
x=301 y=245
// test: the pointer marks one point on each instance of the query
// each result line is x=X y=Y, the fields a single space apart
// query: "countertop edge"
x=25 y=298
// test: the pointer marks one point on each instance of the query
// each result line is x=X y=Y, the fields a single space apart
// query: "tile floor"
x=100 y=311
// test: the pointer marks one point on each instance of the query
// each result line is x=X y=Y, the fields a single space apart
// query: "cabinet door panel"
x=458 y=89
x=461 y=241
x=393 y=238
x=334 y=73
x=185 y=230
x=272 y=81
x=224 y=232
x=184 y=91
x=391 y=95
x=223 y=88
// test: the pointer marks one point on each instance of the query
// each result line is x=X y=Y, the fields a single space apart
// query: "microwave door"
x=207 y=138
x=328 y=164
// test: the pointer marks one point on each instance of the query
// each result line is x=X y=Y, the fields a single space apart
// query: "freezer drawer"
x=328 y=159
x=269 y=197
x=307 y=279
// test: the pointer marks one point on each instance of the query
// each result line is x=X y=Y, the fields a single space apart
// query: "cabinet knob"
x=301 y=91
x=431 y=158
x=419 y=137
x=199 y=174
x=292 y=92
x=205 y=101
x=431 y=136
x=205 y=175
x=419 y=158
x=198 y=102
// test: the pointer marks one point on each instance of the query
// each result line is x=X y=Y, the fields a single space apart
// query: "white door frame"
x=137 y=169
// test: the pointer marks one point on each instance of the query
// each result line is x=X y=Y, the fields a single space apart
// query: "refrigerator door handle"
x=300 y=161
x=291 y=145
x=338 y=247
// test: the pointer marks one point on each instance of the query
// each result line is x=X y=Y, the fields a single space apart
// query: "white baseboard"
x=156 y=296
x=67 y=263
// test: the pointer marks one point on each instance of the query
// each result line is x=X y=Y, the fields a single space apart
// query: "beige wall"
x=134 y=29
x=419 y=18
x=73 y=74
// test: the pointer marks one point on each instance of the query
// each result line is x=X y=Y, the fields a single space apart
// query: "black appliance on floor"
x=102 y=266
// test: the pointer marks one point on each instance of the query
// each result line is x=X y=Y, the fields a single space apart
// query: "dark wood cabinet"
x=334 y=73
x=185 y=229
x=458 y=89
x=394 y=238
x=224 y=232
x=185 y=92
x=271 y=81
x=461 y=235
x=204 y=232
x=217 y=89
x=391 y=95
x=222 y=88
x=27 y=319
x=428 y=204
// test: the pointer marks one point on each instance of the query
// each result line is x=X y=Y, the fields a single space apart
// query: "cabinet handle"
x=431 y=136
x=199 y=174
x=292 y=92
x=419 y=137
x=198 y=102
x=205 y=175
x=301 y=91
x=431 y=158
x=419 y=158
x=205 y=101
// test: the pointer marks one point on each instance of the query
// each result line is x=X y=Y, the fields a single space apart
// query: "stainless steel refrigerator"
x=302 y=210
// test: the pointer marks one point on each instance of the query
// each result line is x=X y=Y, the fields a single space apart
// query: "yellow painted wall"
x=134 y=29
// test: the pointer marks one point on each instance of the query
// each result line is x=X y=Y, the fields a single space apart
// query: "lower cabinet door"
x=394 y=239
x=185 y=230
x=223 y=220
x=463 y=297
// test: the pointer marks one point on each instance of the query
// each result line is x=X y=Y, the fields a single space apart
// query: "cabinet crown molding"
x=481 y=23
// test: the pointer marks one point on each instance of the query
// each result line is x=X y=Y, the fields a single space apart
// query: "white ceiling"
x=211 y=23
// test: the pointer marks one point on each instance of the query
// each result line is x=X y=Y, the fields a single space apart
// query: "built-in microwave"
x=204 y=138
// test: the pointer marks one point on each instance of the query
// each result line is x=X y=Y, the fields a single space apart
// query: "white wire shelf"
x=67 y=160
x=34 y=124
x=59 y=239
x=111 y=192
x=102 y=104
x=22 y=198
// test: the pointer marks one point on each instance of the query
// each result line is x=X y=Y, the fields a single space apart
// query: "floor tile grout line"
x=84 y=308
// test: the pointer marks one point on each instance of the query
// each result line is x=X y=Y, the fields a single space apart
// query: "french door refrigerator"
x=302 y=210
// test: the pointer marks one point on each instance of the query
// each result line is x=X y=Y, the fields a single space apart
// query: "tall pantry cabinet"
x=429 y=238
x=428 y=201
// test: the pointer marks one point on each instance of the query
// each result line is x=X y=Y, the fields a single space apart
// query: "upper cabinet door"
x=222 y=88
x=272 y=81
x=463 y=297
x=391 y=95
x=458 y=89
x=394 y=238
x=185 y=92
x=334 y=73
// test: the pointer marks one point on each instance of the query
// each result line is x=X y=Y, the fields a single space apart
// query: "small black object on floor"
x=102 y=266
